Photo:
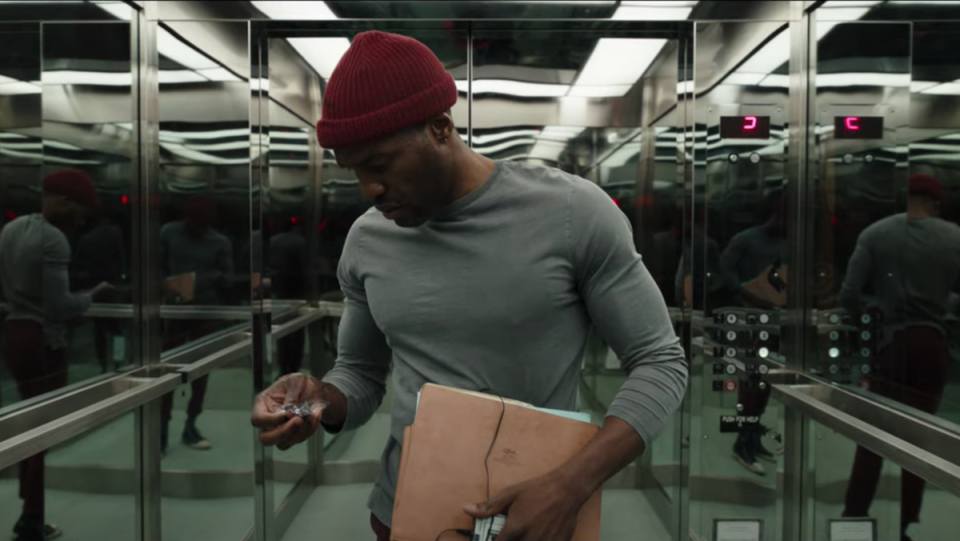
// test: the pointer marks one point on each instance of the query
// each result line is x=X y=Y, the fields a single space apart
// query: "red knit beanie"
x=383 y=84
x=74 y=185
x=925 y=184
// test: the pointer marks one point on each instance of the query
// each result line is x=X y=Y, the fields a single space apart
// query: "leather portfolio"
x=457 y=437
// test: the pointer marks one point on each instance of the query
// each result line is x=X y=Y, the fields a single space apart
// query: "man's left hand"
x=541 y=509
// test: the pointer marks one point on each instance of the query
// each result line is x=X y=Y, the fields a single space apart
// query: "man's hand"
x=103 y=292
x=541 y=509
x=283 y=428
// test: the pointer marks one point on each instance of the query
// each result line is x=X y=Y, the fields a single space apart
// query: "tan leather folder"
x=444 y=451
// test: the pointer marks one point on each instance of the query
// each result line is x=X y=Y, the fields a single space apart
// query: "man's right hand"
x=282 y=428
x=103 y=292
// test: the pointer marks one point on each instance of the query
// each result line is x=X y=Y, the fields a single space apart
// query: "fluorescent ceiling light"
x=514 y=88
x=618 y=61
x=945 y=89
x=779 y=81
x=323 y=54
x=94 y=78
x=181 y=53
x=771 y=56
x=850 y=4
x=561 y=133
x=493 y=149
x=747 y=79
x=117 y=9
x=313 y=11
x=17 y=88
x=547 y=150
x=654 y=11
x=222 y=75
x=684 y=87
x=920 y=86
x=833 y=80
x=299 y=136
x=604 y=91
x=180 y=76
x=499 y=136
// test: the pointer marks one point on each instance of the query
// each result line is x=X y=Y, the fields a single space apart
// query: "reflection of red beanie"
x=924 y=184
x=383 y=84
x=73 y=184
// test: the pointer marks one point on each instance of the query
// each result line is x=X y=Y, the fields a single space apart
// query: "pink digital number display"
x=745 y=127
x=858 y=127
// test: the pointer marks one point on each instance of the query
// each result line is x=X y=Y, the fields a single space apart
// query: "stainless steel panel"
x=204 y=366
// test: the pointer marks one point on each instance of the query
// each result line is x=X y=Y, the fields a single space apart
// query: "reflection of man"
x=100 y=258
x=750 y=257
x=492 y=280
x=34 y=263
x=911 y=261
x=192 y=248
x=750 y=265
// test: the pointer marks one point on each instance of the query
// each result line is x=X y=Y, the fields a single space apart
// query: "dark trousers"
x=102 y=329
x=381 y=530
x=36 y=369
x=290 y=352
x=911 y=370
x=178 y=333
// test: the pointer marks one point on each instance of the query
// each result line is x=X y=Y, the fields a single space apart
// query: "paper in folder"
x=442 y=464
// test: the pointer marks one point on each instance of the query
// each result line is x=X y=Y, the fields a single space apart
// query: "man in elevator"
x=479 y=275
x=193 y=249
x=911 y=263
x=34 y=263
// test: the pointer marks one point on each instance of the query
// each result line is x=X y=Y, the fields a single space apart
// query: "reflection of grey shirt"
x=100 y=256
x=749 y=253
x=34 y=263
x=209 y=255
x=911 y=265
x=499 y=292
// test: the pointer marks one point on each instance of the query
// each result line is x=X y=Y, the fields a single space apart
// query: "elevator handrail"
x=921 y=462
x=45 y=436
x=183 y=366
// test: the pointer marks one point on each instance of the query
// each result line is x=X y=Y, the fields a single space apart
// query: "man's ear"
x=441 y=127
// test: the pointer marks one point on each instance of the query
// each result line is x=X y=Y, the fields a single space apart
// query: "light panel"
x=653 y=11
x=547 y=150
x=514 y=88
x=93 y=78
x=945 y=89
x=747 y=79
x=171 y=47
x=499 y=136
x=180 y=76
x=117 y=9
x=312 y=11
x=604 y=91
x=13 y=87
x=617 y=61
x=770 y=57
x=220 y=75
x=920 y=86
x=323 y=54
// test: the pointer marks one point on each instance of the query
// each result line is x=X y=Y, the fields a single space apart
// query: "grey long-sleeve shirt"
x=911 y=265
x=498 y=293
x=34 y=263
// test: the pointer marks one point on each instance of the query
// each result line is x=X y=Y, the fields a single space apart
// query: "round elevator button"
x=754 y=158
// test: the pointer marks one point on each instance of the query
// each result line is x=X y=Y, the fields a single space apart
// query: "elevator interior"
x=749 y=143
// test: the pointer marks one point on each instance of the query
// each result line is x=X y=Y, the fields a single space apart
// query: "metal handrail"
x=933 y=468
x=45 y=436
x=191 y=363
